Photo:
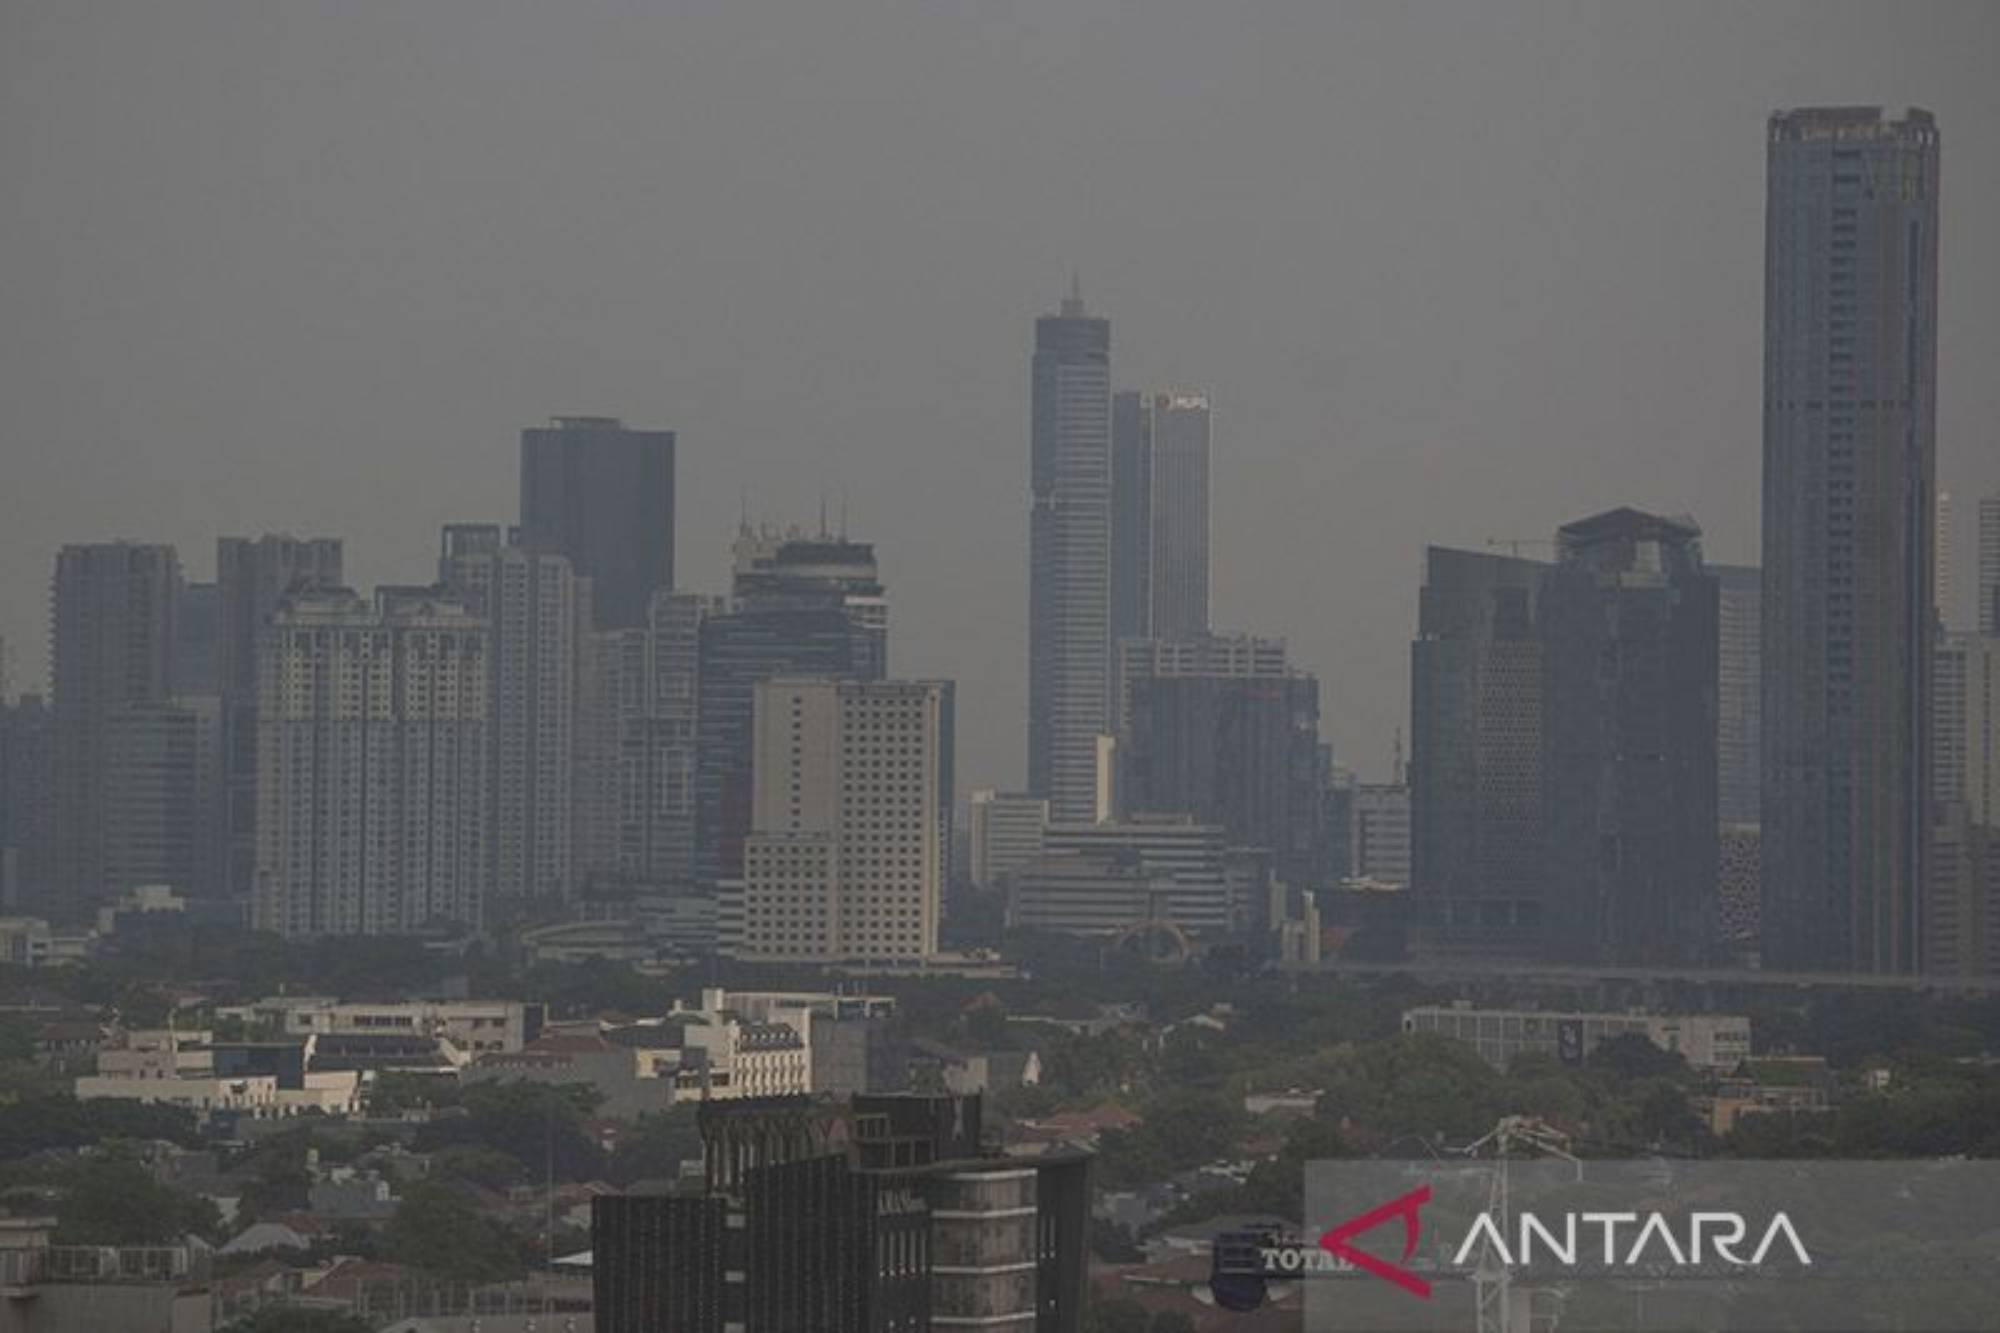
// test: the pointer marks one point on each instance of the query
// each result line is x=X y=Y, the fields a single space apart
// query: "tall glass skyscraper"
x=1850 y=371
x=1069 y=574
x=603 y=496
x=1159 y=516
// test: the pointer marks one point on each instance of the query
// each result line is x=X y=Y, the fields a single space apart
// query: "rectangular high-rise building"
x=1628 y=620
x=253 y=575
x=1381 y=833
x=162 y=796
x=1159 y=515
x=1476 y=801
x=850 y=828
x=604 y=496
x=1850 y=374
x=373 y=765
x=1988 y=618
x=1231 y=737
x=1069 y=573
x=1007 y=832
x=640 y=779
x=537 y=613
x=113 y=605
x=1739 y=689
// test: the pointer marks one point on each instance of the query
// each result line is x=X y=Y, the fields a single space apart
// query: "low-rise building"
x=473 y=1026
x=1706 y=1041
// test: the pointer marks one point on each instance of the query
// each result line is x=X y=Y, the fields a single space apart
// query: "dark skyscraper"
x=1850 y=359
x=604 y=496
x=1159 y=516
x=1628 y=620
x=253 y=577
x=113 y=638
x=1069 y=563
x=1476 y=816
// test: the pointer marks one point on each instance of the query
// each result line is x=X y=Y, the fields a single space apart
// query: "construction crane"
x=1493 y=1284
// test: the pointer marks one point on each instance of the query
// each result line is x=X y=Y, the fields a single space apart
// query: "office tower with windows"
x=113 y=607
x=162 y=796
x=1381 y=833
x=1230 y=735
x=1629 y=627
x=1850 y=337
x=253 y=575
x=27 y=802
x=537 y=613
x=1476 y=800
x=373 y=765
x=1007 y=832
x=1069 y=575
x=1962 y=905
x=850 y=828
x=603 y=495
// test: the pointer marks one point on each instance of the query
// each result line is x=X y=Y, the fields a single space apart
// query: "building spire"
x=1072 y=305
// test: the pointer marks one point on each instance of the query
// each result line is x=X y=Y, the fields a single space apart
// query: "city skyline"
x=1382 y=361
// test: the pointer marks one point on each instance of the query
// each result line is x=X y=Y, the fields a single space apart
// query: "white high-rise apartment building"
x=537 y=612
x=371 y=765
x=849 y=832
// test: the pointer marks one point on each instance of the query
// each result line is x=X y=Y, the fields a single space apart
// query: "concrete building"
x=477 y=1026
x=113 y=606
x=881 y=1215
x=27 y=802
x=1381 y=836
x=373 y=765
x=1069 y=573
x=1477 y=830
x=1739 y=688
x=1705 y=1041
x=1007 y=831
x=603 y=495
x=801 y=604
x=850 y=831
x=1159 y=515
x=852 y=1039
x=253 y=577
x=1850 y=398
x=1628 y=619
x=1962 y=894
x=1106 y=879
x=537 y=614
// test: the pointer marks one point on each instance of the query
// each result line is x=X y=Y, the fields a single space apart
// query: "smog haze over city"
x=1448 y=273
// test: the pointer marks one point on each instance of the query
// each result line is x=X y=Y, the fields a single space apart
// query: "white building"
x=1007 y=829
x=537 y=612
x=1711 y=1041
x=371 y=765
x=1381 y=833
x=475 y=1026
x=849 y=820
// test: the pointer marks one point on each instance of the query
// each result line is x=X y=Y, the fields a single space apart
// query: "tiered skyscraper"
x=1850 y=371
x=604 y=496
x=1069 y=575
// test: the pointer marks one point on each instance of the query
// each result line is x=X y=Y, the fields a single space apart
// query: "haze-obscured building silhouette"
x=1069 y=571
x=1629 y=627
x=604 y=496
x=1850 y=401
x=1160 y=445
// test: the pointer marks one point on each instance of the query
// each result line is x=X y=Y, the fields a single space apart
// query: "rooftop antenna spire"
x=843 y=513
x=1073 y=303
x=822 y=513
x=743 y=522
x=1396 y=764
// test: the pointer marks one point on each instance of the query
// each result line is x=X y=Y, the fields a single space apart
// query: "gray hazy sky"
x=1448 y=271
